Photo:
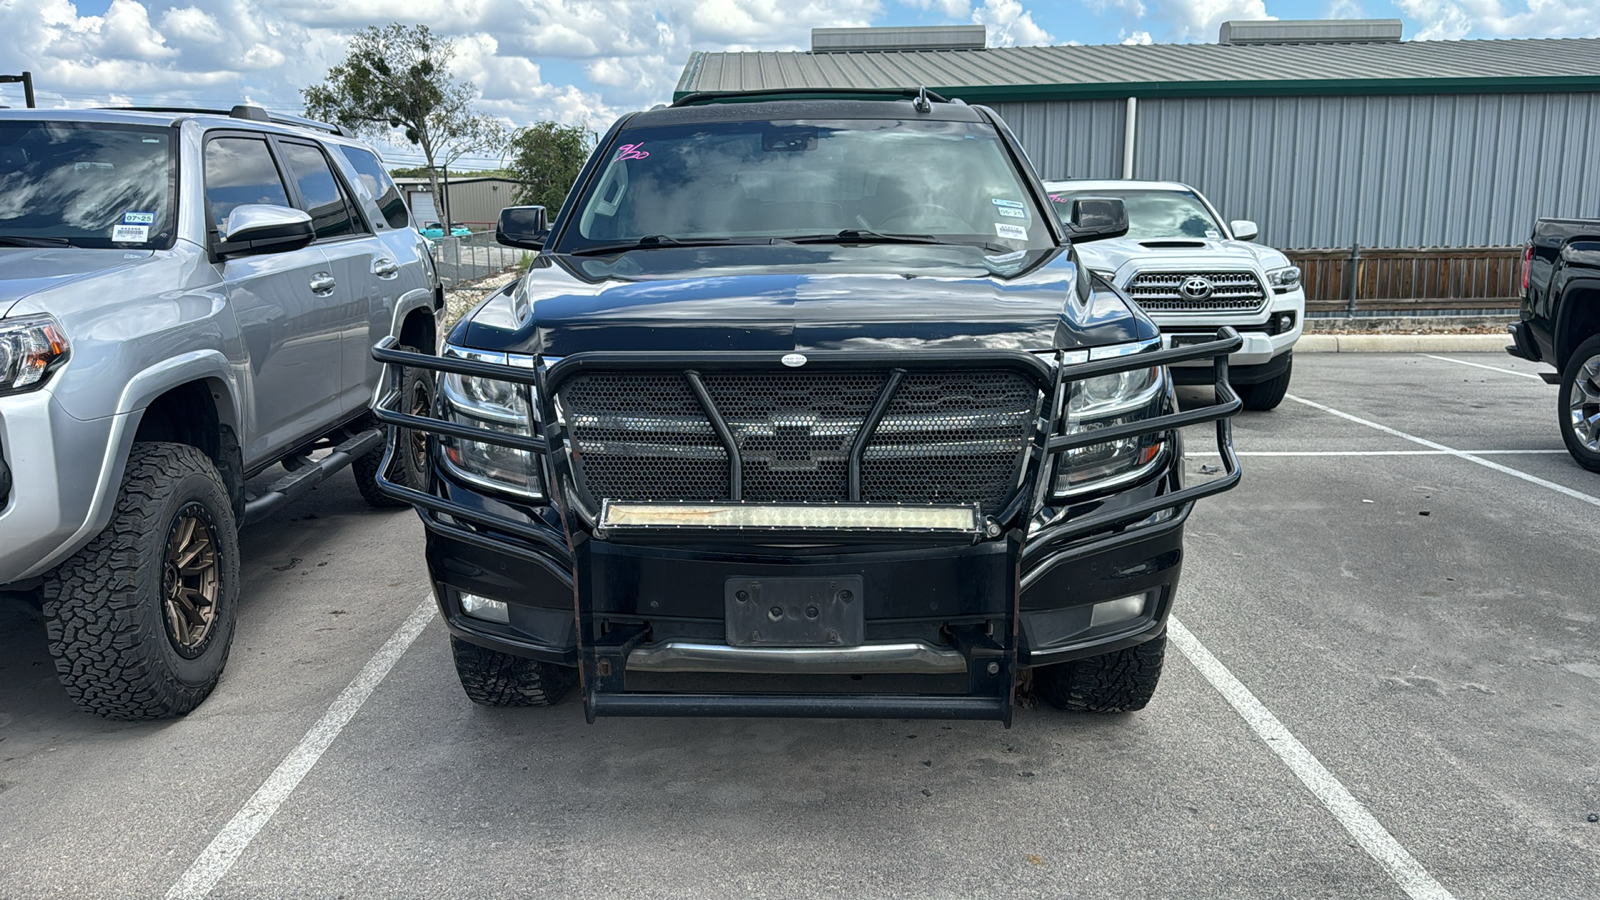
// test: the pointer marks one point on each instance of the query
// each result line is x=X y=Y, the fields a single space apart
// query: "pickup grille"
x=945 y=436
x=1239 y=292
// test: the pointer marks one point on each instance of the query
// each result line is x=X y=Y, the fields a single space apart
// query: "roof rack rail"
x=242 y=111
x=809 y=93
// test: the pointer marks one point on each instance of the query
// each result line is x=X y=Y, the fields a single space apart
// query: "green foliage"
x=546 y=158
x=422 y=172
x=397 y=78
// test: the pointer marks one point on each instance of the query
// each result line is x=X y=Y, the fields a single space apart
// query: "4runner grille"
x=1229 y=292
x=945 y=436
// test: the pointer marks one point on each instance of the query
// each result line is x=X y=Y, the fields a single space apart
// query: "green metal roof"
x=1171 y=70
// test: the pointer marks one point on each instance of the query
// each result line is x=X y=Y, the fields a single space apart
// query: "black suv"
x=806 y=408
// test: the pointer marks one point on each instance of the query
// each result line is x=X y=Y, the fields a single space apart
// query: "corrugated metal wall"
x=1317 y=172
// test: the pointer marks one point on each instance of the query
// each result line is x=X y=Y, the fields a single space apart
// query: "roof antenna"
x=921 y=104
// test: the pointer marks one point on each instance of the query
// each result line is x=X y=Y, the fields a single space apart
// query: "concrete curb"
x=1402 y=343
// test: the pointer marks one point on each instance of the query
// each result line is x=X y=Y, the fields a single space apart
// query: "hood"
x=25 y=271
x=1113 y=253
x=786 y=298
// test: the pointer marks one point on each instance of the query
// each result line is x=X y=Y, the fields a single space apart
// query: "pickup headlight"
x=1284 y=280
x=31 y=347
x=502 y=406
x=1107 y=401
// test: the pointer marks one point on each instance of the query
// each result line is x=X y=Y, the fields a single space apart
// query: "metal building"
x=474 y=202
x=1328 y=134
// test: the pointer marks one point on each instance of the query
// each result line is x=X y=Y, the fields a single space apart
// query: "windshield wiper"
x=868 y=236
x=657 y=241
x=17 y=240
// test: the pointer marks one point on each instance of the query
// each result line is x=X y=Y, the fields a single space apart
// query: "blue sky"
x=582 y=62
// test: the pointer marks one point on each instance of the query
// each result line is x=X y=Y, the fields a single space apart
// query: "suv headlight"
x=31 y=347
x=1284 y=280
x=1104 y=402
x=502 y=406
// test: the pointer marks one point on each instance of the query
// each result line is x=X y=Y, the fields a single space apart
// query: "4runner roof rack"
x=243 y=111
x=917 y=94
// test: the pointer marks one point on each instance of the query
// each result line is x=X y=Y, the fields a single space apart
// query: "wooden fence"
x=1361 y=280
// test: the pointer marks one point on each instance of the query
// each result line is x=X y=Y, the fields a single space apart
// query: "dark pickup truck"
x=806 y=408
x=1560 y=325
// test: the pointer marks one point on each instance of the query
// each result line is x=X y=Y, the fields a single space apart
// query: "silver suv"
x=187 y=298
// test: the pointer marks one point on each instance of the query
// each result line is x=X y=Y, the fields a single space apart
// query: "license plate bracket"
x=820 y=611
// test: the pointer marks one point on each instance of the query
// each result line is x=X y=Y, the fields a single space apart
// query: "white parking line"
x=215 y=861
x=1462 y=362
x=1450 y=451
x=1380 y=452
x=1367 y=830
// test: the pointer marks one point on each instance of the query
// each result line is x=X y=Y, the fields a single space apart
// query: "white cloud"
x=1345 y=9
x=1008 y=24
x=1141 y=38
x=950 y=9
x=1201 y=19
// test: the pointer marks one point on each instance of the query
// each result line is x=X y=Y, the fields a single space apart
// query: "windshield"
x=860 y=180
x=85 y=185
x=1152 y=214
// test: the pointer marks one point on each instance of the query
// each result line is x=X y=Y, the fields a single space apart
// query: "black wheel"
x=140 y=620
x=491 y=678
x=410 y=466
x=1268 y=394
x=1120 y=681
x=1578 y=404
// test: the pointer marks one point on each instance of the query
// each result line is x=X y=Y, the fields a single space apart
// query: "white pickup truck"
x=1193 y=273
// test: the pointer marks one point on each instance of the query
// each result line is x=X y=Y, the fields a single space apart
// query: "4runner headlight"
x=1284 y=280
x=1104 y=402
x=496 y=406
x=31 y=347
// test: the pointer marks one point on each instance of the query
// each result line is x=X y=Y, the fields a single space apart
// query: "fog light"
x=1114 y=611
x=495 y=611
x=1285 y=322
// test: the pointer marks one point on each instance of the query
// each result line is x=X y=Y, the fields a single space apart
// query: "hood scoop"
x=1173 y=245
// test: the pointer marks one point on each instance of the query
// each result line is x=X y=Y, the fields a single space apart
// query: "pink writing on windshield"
x=632 y=151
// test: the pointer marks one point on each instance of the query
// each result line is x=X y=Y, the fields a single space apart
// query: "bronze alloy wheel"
x=190 y=580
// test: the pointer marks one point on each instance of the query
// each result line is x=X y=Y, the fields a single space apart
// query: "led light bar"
x=807 y=517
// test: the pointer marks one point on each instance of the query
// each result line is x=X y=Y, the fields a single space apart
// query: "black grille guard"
x=544 y=382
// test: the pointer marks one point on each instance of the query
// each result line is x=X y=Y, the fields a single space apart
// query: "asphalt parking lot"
x=1386 y=681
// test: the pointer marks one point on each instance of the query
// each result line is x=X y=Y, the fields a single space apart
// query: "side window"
x=331 y=213
x=238 y=171
x=380 y=185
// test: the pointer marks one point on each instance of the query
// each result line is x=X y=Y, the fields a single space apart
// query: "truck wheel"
x=140 y=620
x=410 y=467
x=491 y=678
x=1579 y=404
x=1268 y=394
x=1121 y=681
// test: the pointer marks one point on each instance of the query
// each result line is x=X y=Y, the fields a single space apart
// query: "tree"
x=397 y=78
x=546 y=158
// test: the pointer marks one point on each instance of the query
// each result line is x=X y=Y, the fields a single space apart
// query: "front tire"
x=1120 y=681
x=492 y=678
x=141 y=619
x=1578 y=404
x=1267 y=394
x=410 y=466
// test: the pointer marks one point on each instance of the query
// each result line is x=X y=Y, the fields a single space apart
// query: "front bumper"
x=1034 y=586
x=1263 y=339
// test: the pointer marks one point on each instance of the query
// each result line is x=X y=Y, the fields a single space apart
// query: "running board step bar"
x=311 y=474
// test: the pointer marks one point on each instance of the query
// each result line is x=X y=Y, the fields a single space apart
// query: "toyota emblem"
x=794 y=360
x=1196 y=288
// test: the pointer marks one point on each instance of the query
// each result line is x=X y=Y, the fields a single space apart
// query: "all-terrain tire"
x=1267 y=394
x=1120 y=681
x=1580 y=381
x=105 y=608
x=491 y=678
x=410 y=466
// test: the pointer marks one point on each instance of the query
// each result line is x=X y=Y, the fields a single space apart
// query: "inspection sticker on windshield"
x=1010 y=213
x=1011 y=232
x=130 y=234
x=138 y=218
x=998 y=201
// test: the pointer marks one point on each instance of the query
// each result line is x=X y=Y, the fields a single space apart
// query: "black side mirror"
x=1094 y=218
x=262 y=228
x=523 y=226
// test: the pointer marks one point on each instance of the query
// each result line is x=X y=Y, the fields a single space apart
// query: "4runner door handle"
x=322 y=284
x=385 y=268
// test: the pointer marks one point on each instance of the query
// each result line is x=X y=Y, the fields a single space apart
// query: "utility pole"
x=27 y=85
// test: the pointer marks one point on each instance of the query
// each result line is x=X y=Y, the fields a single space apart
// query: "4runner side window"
x=378 y=183
x=240 y=170
x=330 y=211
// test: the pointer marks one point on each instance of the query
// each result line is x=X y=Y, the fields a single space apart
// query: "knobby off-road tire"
x=410 y=466
x=1268 y=394
x=1121 y=681
x=1580 y=399
x=491 y=678
x=140 y=620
